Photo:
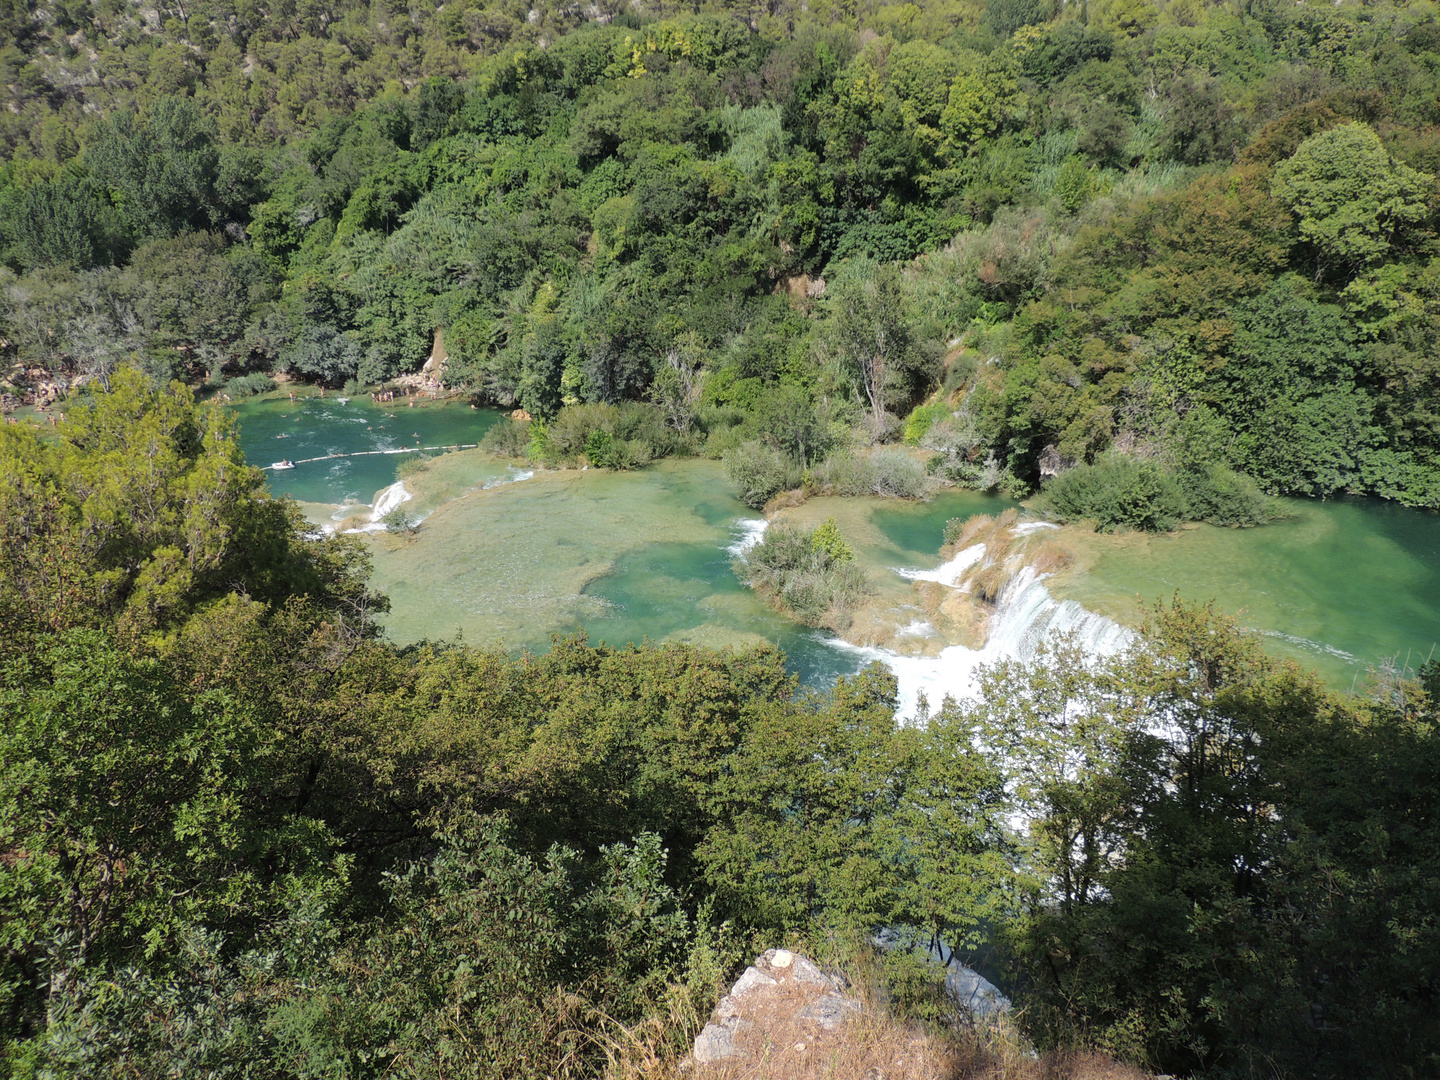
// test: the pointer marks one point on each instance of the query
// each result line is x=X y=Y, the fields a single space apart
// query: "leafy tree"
x=127 y=807
x=1353 y=201
x=160 y=166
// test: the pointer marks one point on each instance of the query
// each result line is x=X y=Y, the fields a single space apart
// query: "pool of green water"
x=629 y=557
x=276 y=429
x=1339 y=586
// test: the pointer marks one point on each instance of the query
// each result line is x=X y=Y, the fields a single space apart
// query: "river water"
x=507 y=557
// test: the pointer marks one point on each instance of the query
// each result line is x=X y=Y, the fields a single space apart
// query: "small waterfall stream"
x=1025 y=616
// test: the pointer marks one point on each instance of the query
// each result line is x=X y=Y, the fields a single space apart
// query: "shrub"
x=758 y=472
x=508 y=438
x=921 y=420
x=627 y=454
x=1117 y=493
x=412 y=467
x=638 y=422
x=597 y=447
x=1222 y=496
x=574 y=425
x=810 y=574
x=249 y=385
x=827 y=540
x=399 y=521
x=891 y=473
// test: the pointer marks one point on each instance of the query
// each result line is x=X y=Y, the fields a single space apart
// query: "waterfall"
x=1025 y=616
x=389 y=499
x=512 y=476
x=948 y=573
x=748 y=532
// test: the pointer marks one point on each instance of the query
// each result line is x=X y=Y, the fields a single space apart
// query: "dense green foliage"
x=809 y=574
x=1121 y=492
x=1185 y=229
x=1235 y=871
x=242 y=835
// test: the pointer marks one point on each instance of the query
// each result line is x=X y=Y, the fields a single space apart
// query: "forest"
x=1150 y=261
x=1198 y=238
x=245 y=836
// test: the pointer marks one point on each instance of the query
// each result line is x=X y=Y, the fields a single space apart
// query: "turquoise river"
x=511 y=557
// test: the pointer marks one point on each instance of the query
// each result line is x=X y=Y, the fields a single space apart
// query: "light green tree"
x=1351 y=197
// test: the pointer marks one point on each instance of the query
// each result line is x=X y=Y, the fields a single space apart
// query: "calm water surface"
x=646 y=555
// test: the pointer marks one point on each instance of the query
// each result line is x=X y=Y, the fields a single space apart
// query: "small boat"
x=286 y=464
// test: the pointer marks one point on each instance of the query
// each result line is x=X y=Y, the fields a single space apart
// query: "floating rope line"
x=369 y=453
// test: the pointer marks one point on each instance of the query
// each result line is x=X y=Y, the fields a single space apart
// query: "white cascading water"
x=948 y=573
x=1025 y=616
x=748 y=532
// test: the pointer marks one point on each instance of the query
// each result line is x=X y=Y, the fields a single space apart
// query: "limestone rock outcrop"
x=780 y=989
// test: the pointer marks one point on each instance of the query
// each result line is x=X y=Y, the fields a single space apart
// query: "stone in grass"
x=829 y=1010
x=752 y=978
x=717 y=1042
x=801 y=969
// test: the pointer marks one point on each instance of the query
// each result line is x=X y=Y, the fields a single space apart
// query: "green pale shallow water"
x=314 y=426
x=630 y=556
x=1339 y=586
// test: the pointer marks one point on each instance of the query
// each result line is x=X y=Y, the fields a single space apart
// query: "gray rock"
x=716 y=1043
x=752 y=978
x=806 y=972
x=974 y=992
x=829 y=1011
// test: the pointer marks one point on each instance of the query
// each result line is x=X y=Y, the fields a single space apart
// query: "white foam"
x=388 y=499
x=747 y=532
x=948 y=573
x=1025 y=617
x=1028 y=527
x=512 y=476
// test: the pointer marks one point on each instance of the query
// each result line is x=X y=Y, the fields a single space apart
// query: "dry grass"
x=1051 y=558
x=872 y=1044
x=782 y=1046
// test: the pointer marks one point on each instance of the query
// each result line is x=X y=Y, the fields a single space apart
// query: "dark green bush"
x=1117 y=493
x=1222 y=496
x=758 y=472
x=256 y=382
x=508 y=438
x=892 y=473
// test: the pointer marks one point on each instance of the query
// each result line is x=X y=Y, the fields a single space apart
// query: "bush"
x=622 y=436
x=508 y=438
x=921 y=420
x=757 y=473
x=412 y=467
x=827 y=541
x=1117 y=493
x=1122 y=493
x=400 y=521
x=574 y=425
x=890 y=473
x=249 y=385
x=810 y=574
x=1222 y=496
